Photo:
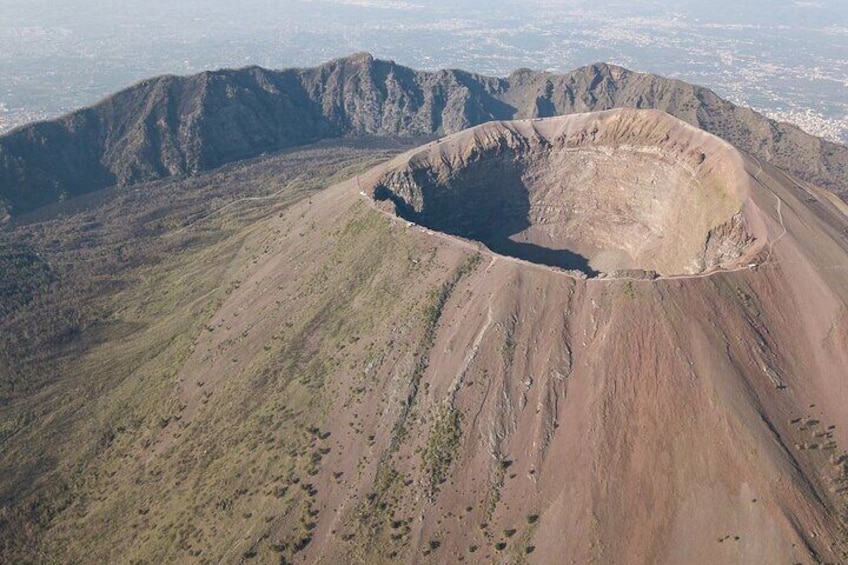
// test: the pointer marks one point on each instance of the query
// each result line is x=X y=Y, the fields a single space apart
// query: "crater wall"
x=600 y=193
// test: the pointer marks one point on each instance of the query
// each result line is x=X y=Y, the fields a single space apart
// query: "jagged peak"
x=360 y=58
x=616 y=72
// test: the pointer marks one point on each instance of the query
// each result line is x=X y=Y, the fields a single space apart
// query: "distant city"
x=787 y=59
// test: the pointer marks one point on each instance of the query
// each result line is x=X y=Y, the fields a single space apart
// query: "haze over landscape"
x=784 y=57
x=451 y=311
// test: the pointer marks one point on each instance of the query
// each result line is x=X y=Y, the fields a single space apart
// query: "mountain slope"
x=327 y=382
x=182 y=125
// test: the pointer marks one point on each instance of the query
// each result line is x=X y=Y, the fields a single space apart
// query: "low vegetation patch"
x=442 y=445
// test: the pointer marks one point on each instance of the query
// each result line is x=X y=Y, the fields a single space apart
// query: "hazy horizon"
x=780 y=57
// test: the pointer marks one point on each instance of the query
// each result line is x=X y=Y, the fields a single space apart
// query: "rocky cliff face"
x=182 y=125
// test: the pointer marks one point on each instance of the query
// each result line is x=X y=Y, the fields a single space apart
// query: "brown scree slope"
x=695 y=419
x=691 y=418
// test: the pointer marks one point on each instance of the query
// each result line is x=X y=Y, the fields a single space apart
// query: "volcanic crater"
x=616 y=193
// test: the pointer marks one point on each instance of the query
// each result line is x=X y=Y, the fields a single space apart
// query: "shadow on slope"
x=486 y=205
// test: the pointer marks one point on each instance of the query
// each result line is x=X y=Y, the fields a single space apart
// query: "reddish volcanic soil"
x=639 y=337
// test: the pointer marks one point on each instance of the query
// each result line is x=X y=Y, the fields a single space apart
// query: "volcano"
x=606 y=337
